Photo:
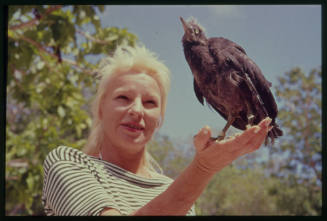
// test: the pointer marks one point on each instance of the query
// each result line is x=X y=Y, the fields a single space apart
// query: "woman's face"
x=130 y=111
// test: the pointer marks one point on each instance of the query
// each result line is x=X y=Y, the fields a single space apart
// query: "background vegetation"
x=51 y=79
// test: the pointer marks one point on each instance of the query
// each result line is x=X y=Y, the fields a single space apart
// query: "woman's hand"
x=212 y=156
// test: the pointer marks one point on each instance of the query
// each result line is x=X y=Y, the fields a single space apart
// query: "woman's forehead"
x=130 y=81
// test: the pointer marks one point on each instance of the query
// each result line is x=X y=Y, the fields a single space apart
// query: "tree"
x=49 y=81
x=235 y=191
x=171 y=157
x=299 y=150
x=300 y=116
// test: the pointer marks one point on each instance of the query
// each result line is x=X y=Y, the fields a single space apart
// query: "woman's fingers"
x=256 y=131
x=265 y=122
x=201 y=139
x=214 y=155
x=250 y=139
x=258 y=138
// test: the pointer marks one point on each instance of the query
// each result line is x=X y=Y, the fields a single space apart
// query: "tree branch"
x=35 y=20
x=104 y=42
x=45 y=50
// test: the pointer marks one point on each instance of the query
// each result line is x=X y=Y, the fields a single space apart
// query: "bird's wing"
x=200 y=97
x=198 y=92
x=261 y=85
x=227 y=52
x=216 y=108
x=216 y=45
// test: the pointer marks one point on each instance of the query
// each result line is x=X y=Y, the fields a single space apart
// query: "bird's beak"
x=184 y=24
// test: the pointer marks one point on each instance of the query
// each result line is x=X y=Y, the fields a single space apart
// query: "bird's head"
x=193 y=31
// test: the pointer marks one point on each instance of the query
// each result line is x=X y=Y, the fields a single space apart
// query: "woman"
x=114 y=175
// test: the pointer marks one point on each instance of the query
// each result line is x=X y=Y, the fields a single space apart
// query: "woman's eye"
x=151 y=102
x=123 y=97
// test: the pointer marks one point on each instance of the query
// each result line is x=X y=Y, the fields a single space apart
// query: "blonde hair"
x=127 y=59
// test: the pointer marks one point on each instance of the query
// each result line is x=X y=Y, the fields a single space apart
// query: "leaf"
x=78 y=130
x=30 y=181
x=45 y=123
x=40 y=65
x=11 y=34
x=82 y=14
x=61 y=111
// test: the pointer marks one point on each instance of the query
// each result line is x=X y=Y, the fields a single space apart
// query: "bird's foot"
x=250 y=120
x=218 y=138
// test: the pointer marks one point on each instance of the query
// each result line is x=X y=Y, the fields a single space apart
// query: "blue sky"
x=277 y=37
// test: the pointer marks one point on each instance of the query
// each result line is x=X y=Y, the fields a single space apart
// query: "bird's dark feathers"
x=198 y=92
x=228 y=80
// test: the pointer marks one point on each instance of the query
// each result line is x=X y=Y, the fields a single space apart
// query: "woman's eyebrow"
x=121 y=90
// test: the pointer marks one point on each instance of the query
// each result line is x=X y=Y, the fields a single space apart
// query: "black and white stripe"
x=76 y=184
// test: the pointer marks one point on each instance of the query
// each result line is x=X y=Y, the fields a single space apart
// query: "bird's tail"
x=274 y=133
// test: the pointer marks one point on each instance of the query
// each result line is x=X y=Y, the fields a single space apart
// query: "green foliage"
x=169 y=156
x=236 y=191
x=298 y=198
x=47 y=93
x=300 y=117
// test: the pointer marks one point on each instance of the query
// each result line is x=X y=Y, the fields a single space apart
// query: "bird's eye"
x=196 y=31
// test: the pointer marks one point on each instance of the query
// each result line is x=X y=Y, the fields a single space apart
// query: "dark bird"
x=228 y=80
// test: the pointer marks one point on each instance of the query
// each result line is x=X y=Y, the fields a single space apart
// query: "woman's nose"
x=136 y=108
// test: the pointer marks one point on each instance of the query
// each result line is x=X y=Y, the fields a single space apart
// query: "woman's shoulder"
x=64 y=154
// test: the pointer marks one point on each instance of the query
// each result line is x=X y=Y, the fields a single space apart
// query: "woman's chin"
x=139 y=140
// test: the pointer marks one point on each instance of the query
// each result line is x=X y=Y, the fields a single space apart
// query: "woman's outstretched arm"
x=209 y=159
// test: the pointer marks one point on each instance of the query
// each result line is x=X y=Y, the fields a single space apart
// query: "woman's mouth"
x=133 y=127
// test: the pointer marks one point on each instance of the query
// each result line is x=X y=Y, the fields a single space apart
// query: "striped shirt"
x=76 y=184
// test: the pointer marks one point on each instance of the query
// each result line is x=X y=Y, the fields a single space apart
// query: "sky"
x=277 y=37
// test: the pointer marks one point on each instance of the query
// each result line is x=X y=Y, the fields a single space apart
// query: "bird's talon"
x=220 y=138
x=213 y=139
